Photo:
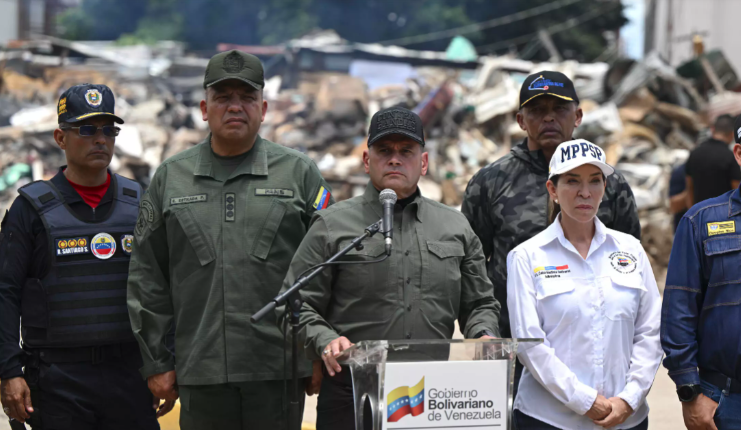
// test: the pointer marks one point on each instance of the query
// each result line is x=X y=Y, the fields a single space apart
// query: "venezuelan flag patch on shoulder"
x=322 y=199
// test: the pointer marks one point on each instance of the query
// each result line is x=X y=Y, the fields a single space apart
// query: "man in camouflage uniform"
x=506 y=202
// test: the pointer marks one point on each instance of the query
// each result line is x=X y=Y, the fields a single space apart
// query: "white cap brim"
x=604 y=167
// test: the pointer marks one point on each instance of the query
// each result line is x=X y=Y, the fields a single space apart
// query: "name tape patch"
x=715 y=228
x=279 y=192
x=551 y=271
x=74 y=246
x=188 y=199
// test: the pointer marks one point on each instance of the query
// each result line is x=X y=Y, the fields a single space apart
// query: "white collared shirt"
x=599 y=319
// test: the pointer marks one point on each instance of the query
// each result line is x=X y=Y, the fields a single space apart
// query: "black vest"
x=82 y=300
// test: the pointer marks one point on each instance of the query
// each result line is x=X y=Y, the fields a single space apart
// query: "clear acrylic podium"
x=367 y=361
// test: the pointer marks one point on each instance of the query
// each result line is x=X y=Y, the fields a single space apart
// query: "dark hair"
x=723 y=124
x=554 y=208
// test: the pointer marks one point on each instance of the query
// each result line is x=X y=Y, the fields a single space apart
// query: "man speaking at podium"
x=434 y=275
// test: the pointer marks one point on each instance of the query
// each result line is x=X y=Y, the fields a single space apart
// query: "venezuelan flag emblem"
x=322 y=199
x=549 y=268
x=405 y=400
x=103 y=246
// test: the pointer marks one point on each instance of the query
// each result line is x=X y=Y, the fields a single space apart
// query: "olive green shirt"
x=435 y=275
x=210 y=249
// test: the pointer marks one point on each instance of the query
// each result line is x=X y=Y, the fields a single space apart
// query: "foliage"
x=202 y=24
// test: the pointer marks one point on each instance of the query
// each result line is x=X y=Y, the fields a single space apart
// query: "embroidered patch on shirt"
x=230 y=206
x=715 y=228
x=623 y=262
x=279 y=192
x=74 y=246
x=127 y=241
x=103 y=246
x=322 y=199
x=551 y=271
x=188 y=199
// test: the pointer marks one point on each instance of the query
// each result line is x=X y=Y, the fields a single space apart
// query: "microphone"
x=388 y=200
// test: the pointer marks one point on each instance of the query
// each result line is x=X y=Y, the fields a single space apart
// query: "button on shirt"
x=599 y=319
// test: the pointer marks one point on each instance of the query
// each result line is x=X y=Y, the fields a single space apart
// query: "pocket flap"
x=632 y=280
x=446 y=249
x=372 y=248
x=198 y=240
x=545 y=287
x=264 y=240
x=723 y=244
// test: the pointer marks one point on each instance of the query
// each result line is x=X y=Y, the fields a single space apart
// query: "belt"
x=721 y=381
x=86 y=354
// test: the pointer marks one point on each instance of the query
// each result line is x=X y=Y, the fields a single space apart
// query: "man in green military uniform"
x=436 y=272
x=216 y=232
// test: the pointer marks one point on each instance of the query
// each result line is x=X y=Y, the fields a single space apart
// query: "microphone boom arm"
x=292 y=296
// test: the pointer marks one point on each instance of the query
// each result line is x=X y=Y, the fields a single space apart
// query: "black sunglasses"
x=91 y=130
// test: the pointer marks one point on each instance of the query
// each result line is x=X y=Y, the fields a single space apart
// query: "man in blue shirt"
x=678 y=194
x=701 y=313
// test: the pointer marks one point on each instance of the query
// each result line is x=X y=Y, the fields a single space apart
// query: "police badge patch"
x=127 y=241
x=93 y=98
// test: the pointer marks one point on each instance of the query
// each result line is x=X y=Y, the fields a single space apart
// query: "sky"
x=632 y=32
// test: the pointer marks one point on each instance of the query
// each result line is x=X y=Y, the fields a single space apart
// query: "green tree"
x=202 y=24
x=102 y=19
x=161 y=21
x=282 y=20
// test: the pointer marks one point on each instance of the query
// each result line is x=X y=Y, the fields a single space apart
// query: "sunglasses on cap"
x=91 y=130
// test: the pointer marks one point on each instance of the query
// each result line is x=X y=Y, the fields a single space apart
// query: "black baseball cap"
x=396 y=120
x=86 y=101
x=235 y=64
x=737 y=129
x=547 y=83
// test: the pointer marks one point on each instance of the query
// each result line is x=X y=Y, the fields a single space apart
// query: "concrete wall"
x=718 y=18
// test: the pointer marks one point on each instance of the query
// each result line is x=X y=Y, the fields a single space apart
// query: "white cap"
x=574 y=153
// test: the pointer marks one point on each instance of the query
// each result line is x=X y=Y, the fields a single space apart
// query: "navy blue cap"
x=86 y=101
x=547 y=83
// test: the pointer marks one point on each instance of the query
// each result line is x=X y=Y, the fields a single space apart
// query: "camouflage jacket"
x=506 y=203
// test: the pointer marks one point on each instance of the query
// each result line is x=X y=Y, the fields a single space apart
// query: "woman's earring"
x=556 y=201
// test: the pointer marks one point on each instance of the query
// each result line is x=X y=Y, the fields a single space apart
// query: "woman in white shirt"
x=589 y=292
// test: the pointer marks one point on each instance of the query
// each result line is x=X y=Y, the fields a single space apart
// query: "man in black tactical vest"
x=64 y=252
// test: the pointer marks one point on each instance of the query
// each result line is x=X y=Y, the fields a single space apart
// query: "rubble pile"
x=644 y=114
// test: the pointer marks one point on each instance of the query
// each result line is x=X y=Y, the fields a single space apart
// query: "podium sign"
x=434 y=384
x=444 y=395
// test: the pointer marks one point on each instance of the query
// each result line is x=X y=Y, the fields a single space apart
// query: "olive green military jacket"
x=435 y=275
x=211 y=250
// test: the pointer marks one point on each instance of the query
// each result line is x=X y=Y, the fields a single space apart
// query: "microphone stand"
x=292 y=296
